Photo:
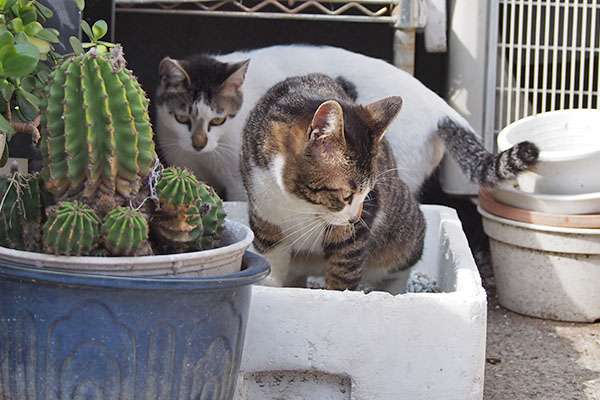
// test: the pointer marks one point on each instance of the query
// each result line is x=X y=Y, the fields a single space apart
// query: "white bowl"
x=587 y=203
x=569 y=143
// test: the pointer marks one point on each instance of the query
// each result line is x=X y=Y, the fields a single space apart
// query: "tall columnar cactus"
x=124 y=231
x=20 y=211
x=191 y=215
x=72 y=230
x=96 y=133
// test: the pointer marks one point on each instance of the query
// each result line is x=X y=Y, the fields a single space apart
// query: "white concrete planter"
x=325 y=345
x=544 y=271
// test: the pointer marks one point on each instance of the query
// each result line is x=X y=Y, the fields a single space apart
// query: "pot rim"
x=254 y=269
x=550 y=156
x=43 y=258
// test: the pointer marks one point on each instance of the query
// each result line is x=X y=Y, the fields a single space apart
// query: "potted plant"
x=26 y=56
x=83 y=321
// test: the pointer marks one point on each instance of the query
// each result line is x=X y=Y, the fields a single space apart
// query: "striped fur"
x=426 y=129
x=321 y=180
x=482 y=167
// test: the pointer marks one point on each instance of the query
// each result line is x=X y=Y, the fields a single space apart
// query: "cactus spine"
x=72 y=230
x=96 y=133
x=124 y=231
x=191 y=215
x=210 y=221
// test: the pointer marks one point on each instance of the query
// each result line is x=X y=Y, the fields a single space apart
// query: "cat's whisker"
x=316 y=213
x=363 y=223
x=302 y=222
x=308 y=231
x=320 y=237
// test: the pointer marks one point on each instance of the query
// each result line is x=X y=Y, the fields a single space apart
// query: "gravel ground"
x=532 y=358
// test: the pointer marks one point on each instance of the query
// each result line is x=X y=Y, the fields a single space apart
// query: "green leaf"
x=26 y=48
x=42 y=77
x=5 y=126
x=27 y=109
x=44 y=11
x=6 y=38
x=7 y=51
x=7 y=91
x=33 y=28
x=101 y=49
x=4 y=155
x=21 y=37
x=22 y=63
x=49 y=35
x=80 y=4
x=99 y=29
x=28 y=16
x=76 y=45
x=28 y=83
x=87 y=30
x=32 y=99
x=9 y=3
x=42 y=46
x=16 y=24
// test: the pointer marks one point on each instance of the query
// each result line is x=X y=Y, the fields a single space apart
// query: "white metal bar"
x=582 y=53
x=546 y=55
x=555 y=53
x=125 y=3
x=526 y=86
x=593 y=66
x=267 y=15
x=536 y=57
x=491 y=92
x=502 y=68
x=519 y=48
x=564 y=47
x=573 y=48
x=510 y=78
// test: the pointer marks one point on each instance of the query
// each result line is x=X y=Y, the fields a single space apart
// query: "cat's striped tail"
x=481 y=166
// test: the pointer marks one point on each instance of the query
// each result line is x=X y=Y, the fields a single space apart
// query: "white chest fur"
x=302 y=224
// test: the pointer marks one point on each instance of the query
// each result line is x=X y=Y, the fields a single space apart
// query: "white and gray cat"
x=203 y=103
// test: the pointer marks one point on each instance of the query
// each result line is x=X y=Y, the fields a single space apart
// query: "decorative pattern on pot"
x=72 y=335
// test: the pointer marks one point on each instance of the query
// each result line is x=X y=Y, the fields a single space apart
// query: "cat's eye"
x=217 y=121
x=348 y=198
x=182 y=118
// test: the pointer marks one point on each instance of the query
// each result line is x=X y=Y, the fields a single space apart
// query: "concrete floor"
x=531 y=358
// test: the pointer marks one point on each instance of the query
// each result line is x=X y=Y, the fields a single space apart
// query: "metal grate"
x=547 y=57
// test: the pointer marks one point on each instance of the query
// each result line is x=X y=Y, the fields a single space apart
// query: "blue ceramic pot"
x=82 y=336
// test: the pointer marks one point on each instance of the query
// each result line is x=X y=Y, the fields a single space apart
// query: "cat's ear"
x=383 y=113
x=327 y=121
x=234 y=82
x=172 y=73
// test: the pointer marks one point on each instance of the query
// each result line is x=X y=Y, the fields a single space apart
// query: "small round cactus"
x=177 y=189
x=124 y=231
x=210 y=219
x=191 y=216
x=73 y=229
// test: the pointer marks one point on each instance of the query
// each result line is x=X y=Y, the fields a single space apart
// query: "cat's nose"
x=356 y=218
x=199 y=140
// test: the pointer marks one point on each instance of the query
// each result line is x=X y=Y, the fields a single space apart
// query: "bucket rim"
x=254 y=269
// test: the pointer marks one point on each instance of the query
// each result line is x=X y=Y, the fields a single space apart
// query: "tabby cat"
x=203 y=102
x=322 y=180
